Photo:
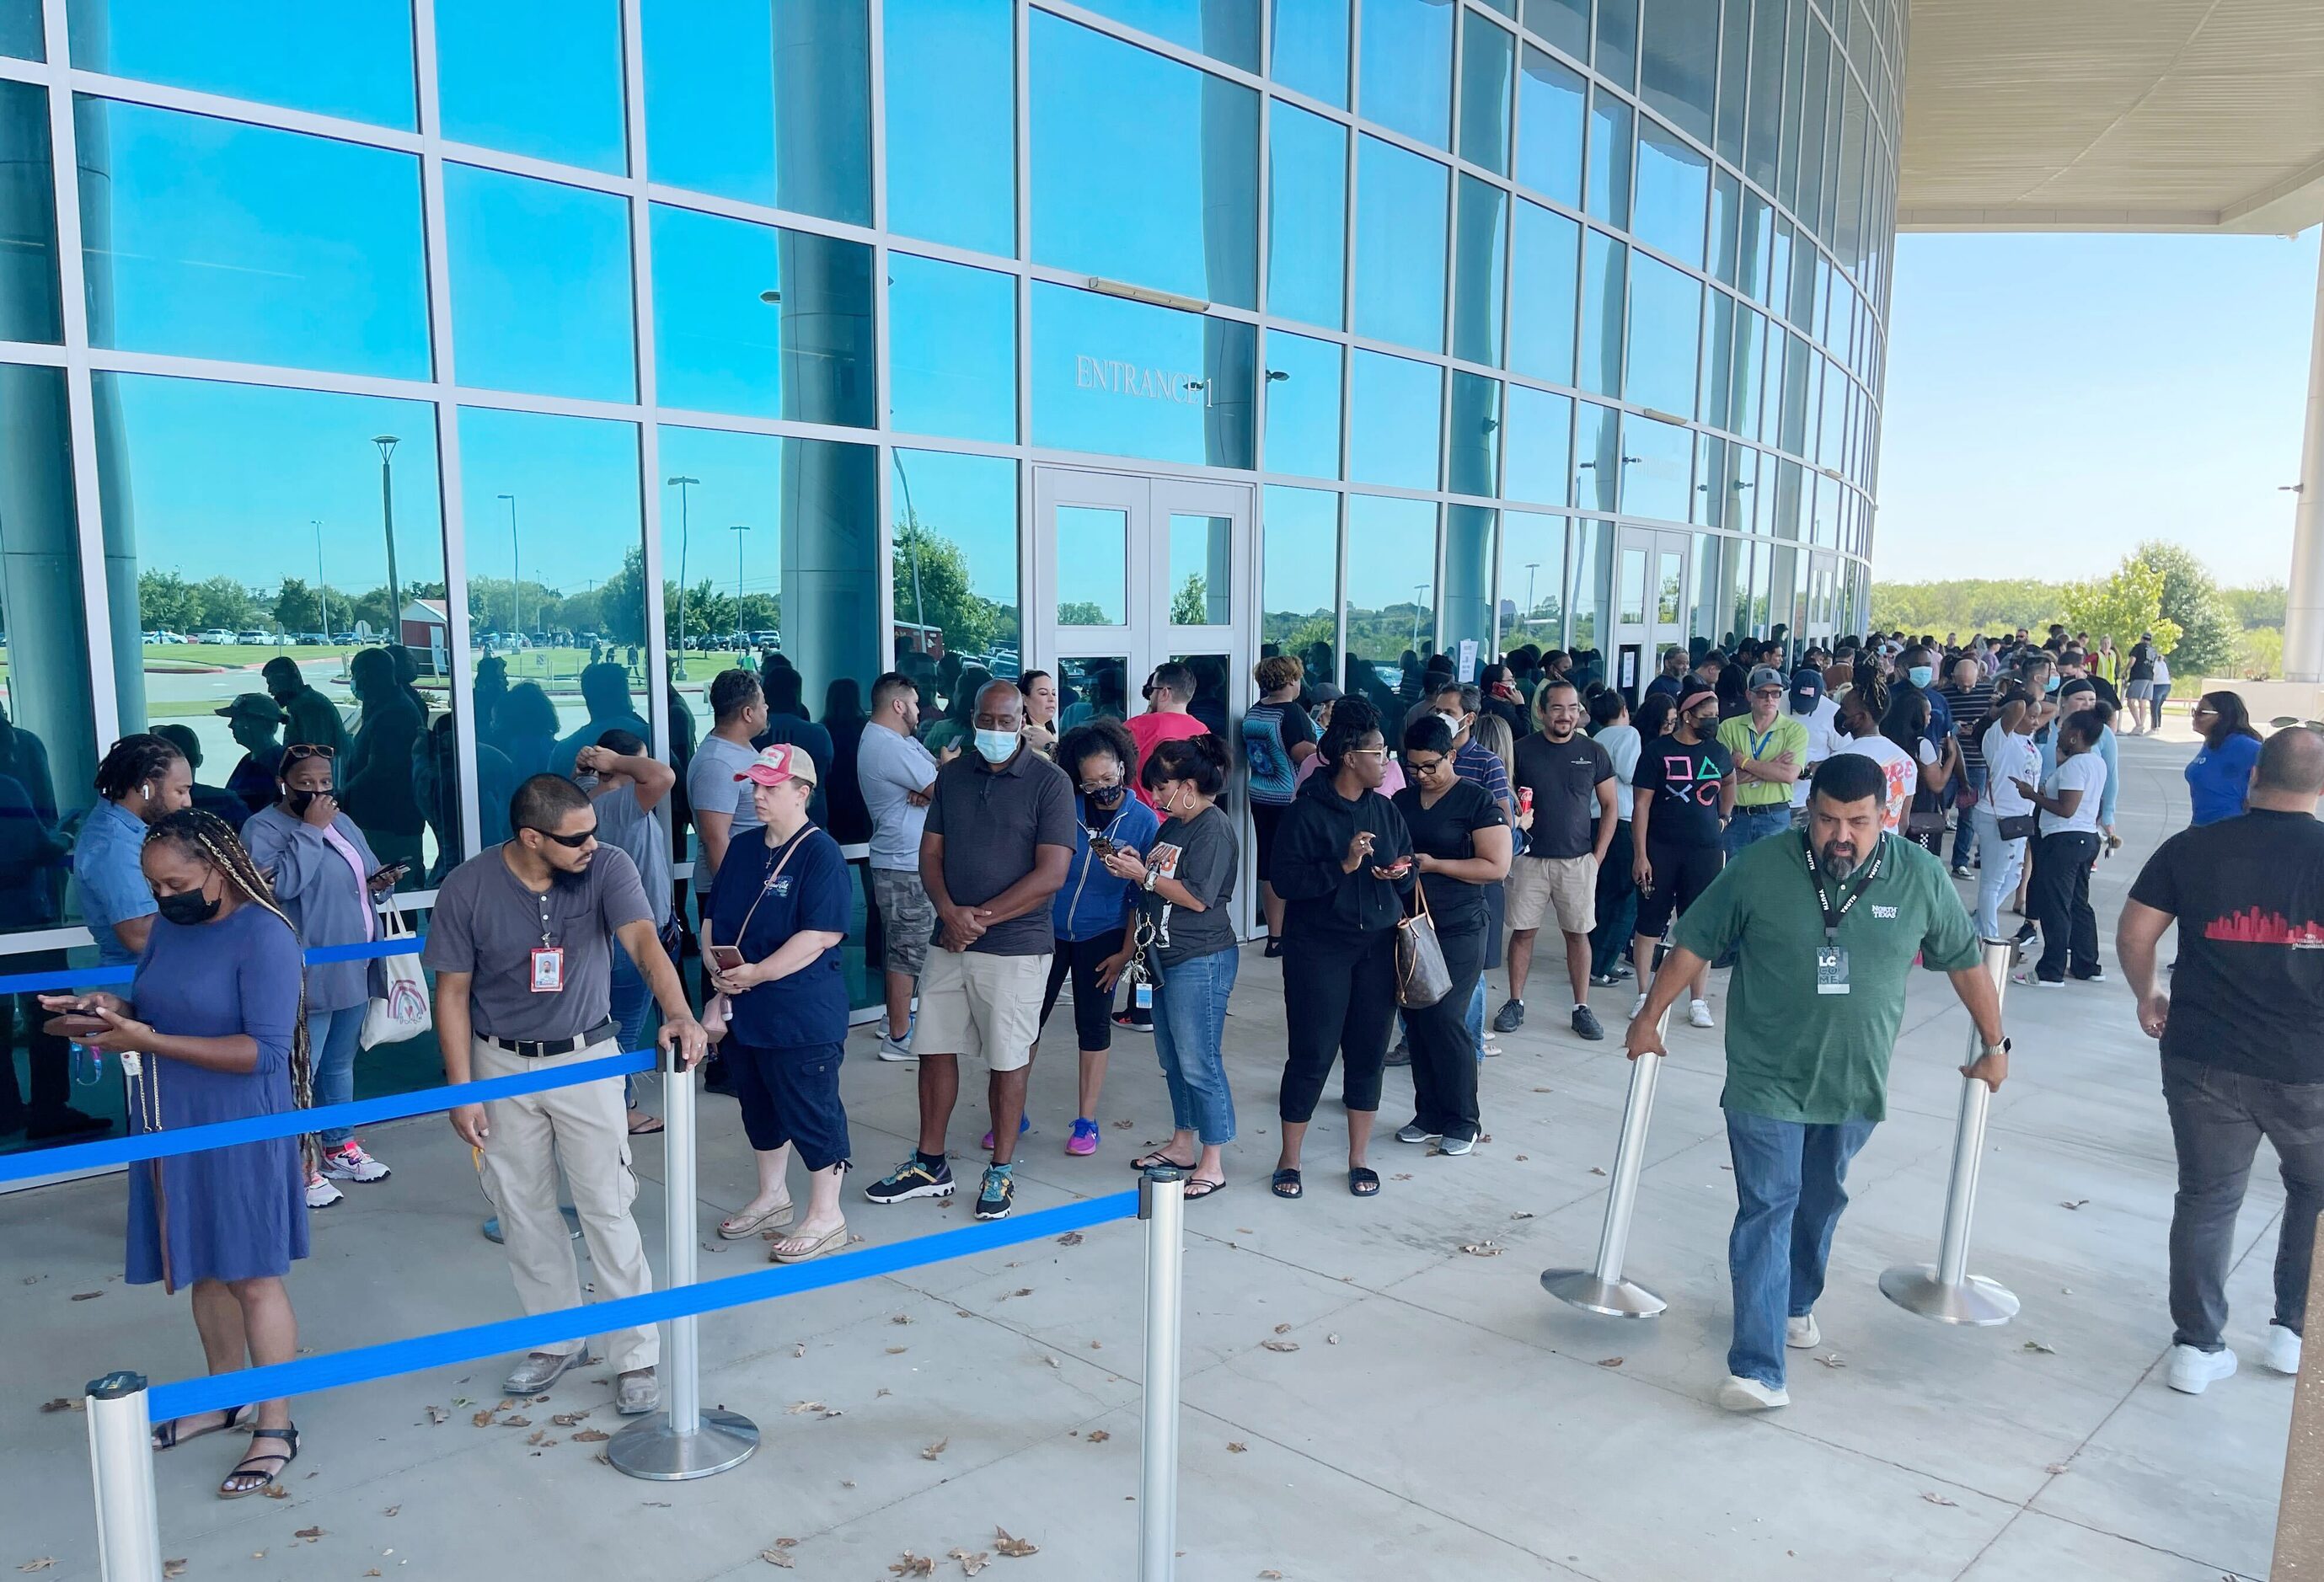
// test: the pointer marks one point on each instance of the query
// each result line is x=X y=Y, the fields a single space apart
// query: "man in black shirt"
x=2240 y=1056
x=1570 y=782
x=2138 y=687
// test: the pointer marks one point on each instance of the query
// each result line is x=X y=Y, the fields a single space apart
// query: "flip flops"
x=829 y=1241
x=1197 y=1190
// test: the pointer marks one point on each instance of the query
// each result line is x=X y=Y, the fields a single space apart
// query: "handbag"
x=2017 y=827
x=718 y=1012
x=1422 y=979
x=402 y=1012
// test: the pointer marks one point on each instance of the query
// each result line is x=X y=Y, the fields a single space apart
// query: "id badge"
x=1142 y=997
x=549 y=970
x=1831 y=969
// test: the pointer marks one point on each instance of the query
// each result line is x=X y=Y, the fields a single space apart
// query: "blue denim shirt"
x=113 y=887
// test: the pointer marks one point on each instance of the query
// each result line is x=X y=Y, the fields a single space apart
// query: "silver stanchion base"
x=647 y=1449
x=1916 y=1288
x=1617 y=1299
x=492 y=1227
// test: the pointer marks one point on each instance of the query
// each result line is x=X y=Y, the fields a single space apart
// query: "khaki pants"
x=587 y=1127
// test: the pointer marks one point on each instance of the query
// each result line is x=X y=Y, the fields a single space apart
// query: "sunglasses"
x=571 y=842
x=300 y=752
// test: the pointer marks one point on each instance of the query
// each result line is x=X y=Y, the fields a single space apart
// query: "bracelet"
x=1152 y=874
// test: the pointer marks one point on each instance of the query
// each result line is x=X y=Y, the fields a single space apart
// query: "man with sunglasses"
x=1768 y=748
x=521 y=944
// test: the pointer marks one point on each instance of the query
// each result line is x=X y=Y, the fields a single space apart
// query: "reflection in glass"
x=1306 y=217
x=1533 y=581
x=1734 y=68
x=1469 y=581
x=1541 y=305
x=1391 y=604
x=1550 y=101
x=1407 y=68
x=352 y=58
x=1602 y=260
x=1763 y=127
x=1751 y=356
x=1395 y=408
x=951 y=350
x=1759 y=612
x=1666 y=310
x=1224 y=30
x=1541 y=445
x=1202 y=570
x=1189 y=221
x=210 y=238
x=954 y=565
x=1783 y=518
x=1797 y=357
x=1089 y=687
x=1658 y=468
x=1670 y=587
x=1093 y=565
x=1673 y=181
x=1474 y=463
x=19 y=29
x=1710 y=598
x=1632 y=610
x=1715 y=391
x=772 y=104
x=1616 y=59
x=1710 y=493
x=1480 y=230
x=1597 y=469
x=541 y=285
x=1311 y=48
x=31 y=305
x=534 y=77
x=722 y=345
x=1608 y=188
x=1303 y=406
x=1754 y=255
x=1124 y=378
x=1591 y=588
x=952 y=122
x=1400 y=198
x=1564 y=23
x=1726 y=214
x=1486 y=57
x=1777 y=295
x=1299 y=588
x=1681 y=64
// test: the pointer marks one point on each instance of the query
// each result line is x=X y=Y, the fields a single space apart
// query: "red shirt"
x=1149 y=730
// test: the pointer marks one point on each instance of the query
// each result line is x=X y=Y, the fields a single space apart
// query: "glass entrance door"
x=1650 y=612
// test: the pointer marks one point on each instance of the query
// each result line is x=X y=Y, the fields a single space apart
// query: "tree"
x=1966 y=605
x=931 y=588
x=1082 y=612
x=2122 y=606
x=166 y=603
x=1190 y=604
x=2191 y=602
x=296 y=606
x=2255 y=608
x=220 y=601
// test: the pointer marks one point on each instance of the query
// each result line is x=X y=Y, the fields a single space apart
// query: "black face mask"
x=300 y=801
x=187 y=908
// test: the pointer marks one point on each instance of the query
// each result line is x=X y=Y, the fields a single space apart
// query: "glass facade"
x=540 y=340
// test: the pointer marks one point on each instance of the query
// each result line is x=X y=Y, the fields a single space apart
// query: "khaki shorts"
x=906 y=917
x=977 y=1004
x=1564 y=888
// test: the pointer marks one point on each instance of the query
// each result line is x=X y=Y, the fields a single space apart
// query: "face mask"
x=2055 y=683
x=1921 y=674
x=187 y=908
x=1452 y=722
x=300 y=801
x=1107 y=797
x=996 y=747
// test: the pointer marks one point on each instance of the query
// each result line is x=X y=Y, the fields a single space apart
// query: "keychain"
x=1137 y=974
x=88 y=1065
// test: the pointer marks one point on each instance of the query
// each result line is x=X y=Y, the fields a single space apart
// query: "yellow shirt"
x=1748 y=743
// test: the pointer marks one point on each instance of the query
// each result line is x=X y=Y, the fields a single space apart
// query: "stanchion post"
x=1602 y=1288
x=681 y=1441
x=1162 y=1204
x=1945 y=1290
x=121 y=1468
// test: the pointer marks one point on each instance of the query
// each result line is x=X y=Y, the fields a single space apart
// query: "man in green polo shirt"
x=1769 y=748
x=1825 y=928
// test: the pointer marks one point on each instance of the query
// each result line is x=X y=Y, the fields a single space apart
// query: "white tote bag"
x=402 y=1012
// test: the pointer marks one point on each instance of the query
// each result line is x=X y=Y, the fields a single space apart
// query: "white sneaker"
x=348 y=1162
x=2282 y=1354
x=321 y=1193
x=1801 y=1334
x=1638 y=1008
x=894 y=1048
x=1697 y=1014
x=2191 y=1371
x=1741 y=1394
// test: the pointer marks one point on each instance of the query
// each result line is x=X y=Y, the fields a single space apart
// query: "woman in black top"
x=1342 y=866
x=1461 y=847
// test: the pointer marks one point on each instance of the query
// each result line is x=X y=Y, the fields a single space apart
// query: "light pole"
x=739 y=530
x=1418 y=590
x=387 y=444
x=1531 y=567
x=911 y=541
x=321 y=582
x=516 y=575
x=681 y=483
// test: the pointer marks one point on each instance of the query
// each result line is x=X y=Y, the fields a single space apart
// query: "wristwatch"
x=1152 y=874
x=2001 y=1048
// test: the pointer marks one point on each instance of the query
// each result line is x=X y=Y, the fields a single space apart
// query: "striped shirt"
x=1969 y=709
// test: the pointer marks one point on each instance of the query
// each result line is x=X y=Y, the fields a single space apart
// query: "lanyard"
x=1760 y=743
x=1832 y=915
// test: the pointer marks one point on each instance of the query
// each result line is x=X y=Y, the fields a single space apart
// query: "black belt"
x=543 y=1048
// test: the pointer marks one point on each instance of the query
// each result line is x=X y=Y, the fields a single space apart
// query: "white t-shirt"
x=1822 y=722
x=2009 y=757
x=2084 y=772
x=2162 y=671
x=1622 y=744
x=1903 y=774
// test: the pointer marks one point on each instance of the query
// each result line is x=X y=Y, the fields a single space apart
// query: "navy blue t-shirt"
x=811 y=894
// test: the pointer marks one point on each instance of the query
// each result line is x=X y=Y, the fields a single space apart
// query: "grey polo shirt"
x=992 y=820
x=487 y=924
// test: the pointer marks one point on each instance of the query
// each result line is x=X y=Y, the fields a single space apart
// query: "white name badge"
x=549 y=970
x=1831 y=969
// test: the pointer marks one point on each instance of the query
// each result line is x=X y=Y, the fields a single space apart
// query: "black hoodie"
x=1310 y=844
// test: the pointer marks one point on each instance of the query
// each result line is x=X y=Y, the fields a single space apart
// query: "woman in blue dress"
x=216 y=1020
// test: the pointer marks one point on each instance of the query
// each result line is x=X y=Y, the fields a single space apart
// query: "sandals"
x=1145 y=1161
x=807 y=1248
x=267 y=1478
x=167 y=1434
x=1363 y=1182
x=742 y=1226
x=1288 y=1184
x=645 y=1126
x=1197 y=1189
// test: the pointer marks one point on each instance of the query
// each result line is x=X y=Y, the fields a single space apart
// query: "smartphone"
x=392 y=874
x=725 y=958
x=1101 y=845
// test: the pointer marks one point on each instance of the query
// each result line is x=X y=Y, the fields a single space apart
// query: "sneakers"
x=1639 y=1006
x=1960 y=871
x=2192 y=1370
x=894 y=1048
x=1511 y=1017
x=1456 y=1144
x=1084 y=1142
x=1128 y=1023
x=1742 y=1394
x=1585 y=1024
x=321 y=1193
x=911 y=1179
x=1697 y=1014
x=1401 y=1055
x=1024 y=1125
x=537 y=1371
x=998 y=1195
x=1603 y=980
x=2095 y=975
x=2283 y=1353
x=1800 y=1333
x=348 y=1162
x=2035 y=980
x=637 y=1393
x=1412 y=1131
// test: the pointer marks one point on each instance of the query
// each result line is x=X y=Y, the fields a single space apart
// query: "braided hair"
x=212 y=840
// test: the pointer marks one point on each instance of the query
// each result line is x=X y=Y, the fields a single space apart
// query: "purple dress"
x=238 y=1212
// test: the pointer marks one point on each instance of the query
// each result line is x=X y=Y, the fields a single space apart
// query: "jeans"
x=2218 y=1117
x=2003 y=861
x=1751 y=825
x=1618 y=904
x=1967 y=836
x=1790 y=1189
x=2060 y=900
x=633 y=1002
x=1190 y=1026
x=334 y=1039
x=1476 y=1019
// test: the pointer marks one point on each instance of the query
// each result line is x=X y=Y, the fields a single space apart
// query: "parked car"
x=312 y=639
x=344 y=638
x=254 y=638
x=216 y=635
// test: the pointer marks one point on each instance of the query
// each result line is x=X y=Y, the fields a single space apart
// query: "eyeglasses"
x=1367 y=752
x=572 y=842
x=1100 y=788
x=1425 y=766
x=1768 y=692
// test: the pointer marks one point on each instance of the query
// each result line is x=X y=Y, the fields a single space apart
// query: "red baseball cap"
x=782 y=761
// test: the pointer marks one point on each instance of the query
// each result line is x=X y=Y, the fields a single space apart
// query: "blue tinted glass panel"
x=952 y=122
x=1550 y=97
x=772 y=104
x=1481 y=226
x=958 y=512
x=1597 y=475
x=1726 y=214
x=1125 y=379
x=19 y=31
x=32 y=305
x=1710 y=481
x=1473 y=458
x=1407 y=68
x=1400 y=200
x=1303 y=406
x=951 y=350
x=351 y=58
x=1680 y=73
x=1602 y=259
x=1564 y=23
x=1777 y=295
x=1391 y=599
x=1588 y=605
x=534 y=77
x=1468 y=578
x=1658 y=468
x=1533 y=581
x=1311 y=49
x=1396 y=408
x=1488 y=59
x=252 y=245
x=1715 y=391
x=1618 y=41
x=1299 y=577
x=1541 y=305
x=541 y=286
x=1665 y=310
x=1609 y=159
x=1224 y=30
x=1672 y=184
x=1189 y=221
x=1307 y=217
x=1541 y=445
x=720 y=347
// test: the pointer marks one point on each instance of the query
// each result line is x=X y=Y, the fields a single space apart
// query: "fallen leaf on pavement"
x=63 y=1403
x=1119 y=1125
x=569 y=1419
x=171 y=1569
x=1236 y=1446
x=1483 y=1249
x=1283 y=1329
x=538 y=1436
x=797 y=1407
x=437 y=1416
x=1521 y=1158
x=1595 y=1171
x=971 y=1564
x=2037 y=1345
x=1271 y=1576
x=934 y=1450
x=483 y=1419
x=2074 y=1203
x=275 y=1491
x=43 y=1564
x=1611 y=1361
x=591 y=1436
x=311 y=1534
x=1523 y=1214
x=1098 y=1436
x=775 y=1557
x=1051 y=1360
x=1330 y=1339
x=902 y=1319
x=1016 y=1549
x=86 y=1295
x=1071 y=1238
x=1940 y=1500
x=1832 y=1361
x=1401 y=1175
x=1280 y=1345
x=516 y=1423
x=2055 y=1467
x=799 y=1349
x=392 y=1510
x=913 y=1565
x=1020 y=1291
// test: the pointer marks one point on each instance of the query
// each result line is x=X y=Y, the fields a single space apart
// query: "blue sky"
x=2052 y=401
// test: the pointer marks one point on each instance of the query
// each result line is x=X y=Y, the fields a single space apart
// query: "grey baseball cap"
x=1768 y=676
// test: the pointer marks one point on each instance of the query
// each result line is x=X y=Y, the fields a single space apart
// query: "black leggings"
x=1339 y=1000
x=1079 y=959
x=1443 y=1059
x=2060 y=900
x=1682 y=873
